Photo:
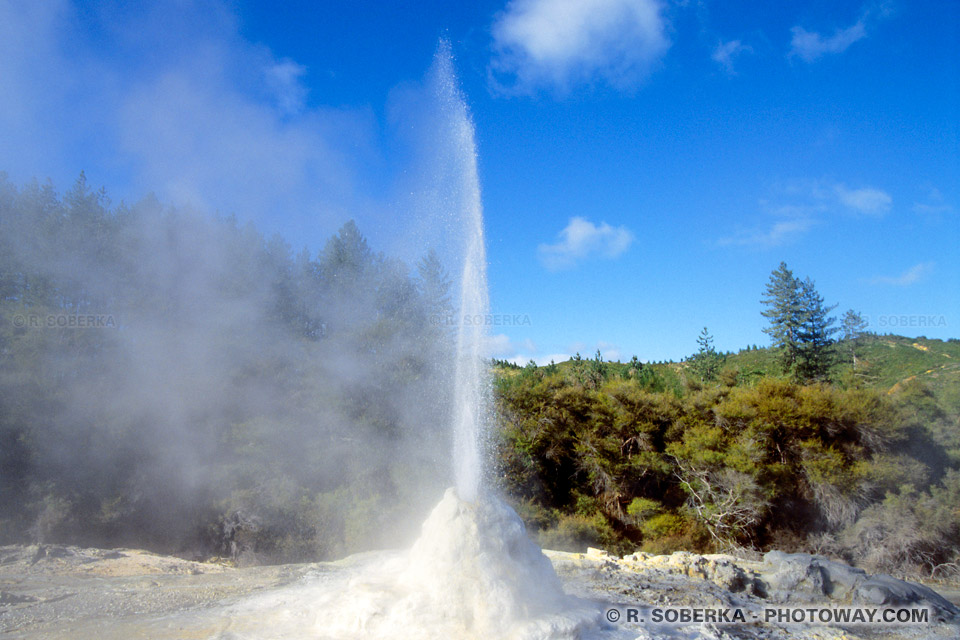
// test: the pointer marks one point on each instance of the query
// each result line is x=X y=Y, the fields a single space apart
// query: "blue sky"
x=645 y=164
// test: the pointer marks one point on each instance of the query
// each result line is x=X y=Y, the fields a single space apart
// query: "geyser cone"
x=475 y=566
x=476 y=556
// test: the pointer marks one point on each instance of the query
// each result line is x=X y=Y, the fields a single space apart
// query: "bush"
x=640 y=509
x=575 y=533
x=663 y=525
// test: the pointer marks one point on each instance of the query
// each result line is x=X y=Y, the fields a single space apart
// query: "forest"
x=732 y=452
x=179 y=382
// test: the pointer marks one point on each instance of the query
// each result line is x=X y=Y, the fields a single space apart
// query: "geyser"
x=474 y=562
x=471 y=378
x=474 y=572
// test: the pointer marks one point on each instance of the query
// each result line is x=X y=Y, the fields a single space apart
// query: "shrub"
x=640 y=509
x=662 y=525
x=575 y=533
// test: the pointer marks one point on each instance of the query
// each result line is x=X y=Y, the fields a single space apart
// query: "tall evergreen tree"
x=816 y=353
x=853 y=327
x=782 y=297
x=801 y=328
x=706 y=362
x=433 y=284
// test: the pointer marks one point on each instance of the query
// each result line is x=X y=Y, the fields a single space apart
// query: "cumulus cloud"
x=727 y=52
x=582 y=239
x=914 y=274
x=557 y=44
x=799 y=205
x=777 y=234
x=810 y=45
x=864 y=200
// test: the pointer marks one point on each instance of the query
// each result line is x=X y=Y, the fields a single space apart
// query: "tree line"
x=244 y=400
x=807 y=455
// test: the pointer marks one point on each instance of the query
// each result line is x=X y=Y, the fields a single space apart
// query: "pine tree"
x=853 y=328
x=816 y=353
x=706 y=362
x=785 y=312
x=801 y=328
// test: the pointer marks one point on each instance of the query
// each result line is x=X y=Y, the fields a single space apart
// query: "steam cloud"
x=248 y=398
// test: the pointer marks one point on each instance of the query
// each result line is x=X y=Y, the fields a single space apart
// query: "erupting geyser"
x=471 y=379
x=473 y=573
x=474 y=560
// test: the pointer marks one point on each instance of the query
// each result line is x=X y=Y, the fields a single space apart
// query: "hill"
x=865 y=467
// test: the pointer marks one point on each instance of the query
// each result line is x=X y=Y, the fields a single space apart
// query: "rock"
x=12 y=598
x=886 y=590
x=792 y=575
x=803 y=577
x=719 y=569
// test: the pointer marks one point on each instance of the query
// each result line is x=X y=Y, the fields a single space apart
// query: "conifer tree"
x=801 y=328
x=852 y=329
x=785 y=312
x=816 y=353
x=706 y=361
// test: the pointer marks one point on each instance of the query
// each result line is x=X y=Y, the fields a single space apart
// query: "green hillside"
x=883 y=362
x=864 y=466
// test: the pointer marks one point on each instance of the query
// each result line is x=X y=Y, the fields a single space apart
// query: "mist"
x=178 y=380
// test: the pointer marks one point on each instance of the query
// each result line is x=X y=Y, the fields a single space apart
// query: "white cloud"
x=582 y=239
x=799 y=205
x=810 y=45
x=284 y=79
x=558 y=44
x=864 y=200
x=524 y=359
x=914 y=274
x=499 y=346
x=824 y=196
x=779 y=233
x=608 y=351
x=502 y=346
x=520 y=352
x=934 y=204
x=726 y=52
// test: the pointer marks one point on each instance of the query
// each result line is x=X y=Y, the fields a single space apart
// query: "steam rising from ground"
x=230 y=352
x=473 y=574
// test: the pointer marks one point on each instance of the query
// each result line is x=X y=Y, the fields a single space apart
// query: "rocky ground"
x=66 y=592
